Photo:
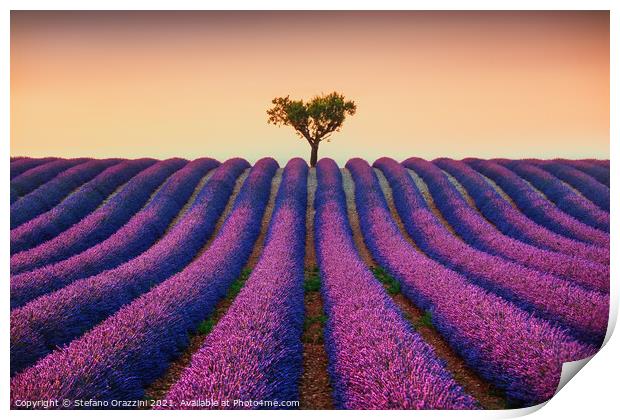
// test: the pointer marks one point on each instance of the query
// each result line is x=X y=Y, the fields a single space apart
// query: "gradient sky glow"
x=429 y=84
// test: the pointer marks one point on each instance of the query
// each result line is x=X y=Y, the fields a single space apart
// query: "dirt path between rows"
x=315 y=391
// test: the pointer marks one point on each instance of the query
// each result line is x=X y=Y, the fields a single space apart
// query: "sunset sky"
x=429 y=84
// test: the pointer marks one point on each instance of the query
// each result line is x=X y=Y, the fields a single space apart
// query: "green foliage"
x=393 y=286
x=238 y=284
x=312 y=283
x=425 y=320
x=315 y=120
x=207 y=325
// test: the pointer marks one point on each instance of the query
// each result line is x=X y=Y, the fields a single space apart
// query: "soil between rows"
x=315 y=391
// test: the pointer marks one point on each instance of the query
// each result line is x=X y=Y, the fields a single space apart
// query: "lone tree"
x=315 y=120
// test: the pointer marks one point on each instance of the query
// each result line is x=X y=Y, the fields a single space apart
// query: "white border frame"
x=592 y=394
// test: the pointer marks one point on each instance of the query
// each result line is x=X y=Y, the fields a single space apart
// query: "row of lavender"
x=91 y=194
x=42 y=200
x=99 y=224
x=511 y=221
x=566 y=198
x=75 y=207
x=539 y=209
x=136 y=236
x=30 y=180
x=377 y=360
x=269 y=329
x=87 y=304
x=507 y=345
x=119 y=357
x=254 y=352
x=478 y=232
x=561 y=301
x=57 y=318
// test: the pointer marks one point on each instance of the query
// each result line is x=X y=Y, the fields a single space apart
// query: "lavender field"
x=176 y=284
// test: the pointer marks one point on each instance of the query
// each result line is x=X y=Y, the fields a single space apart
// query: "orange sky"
x=427 y=84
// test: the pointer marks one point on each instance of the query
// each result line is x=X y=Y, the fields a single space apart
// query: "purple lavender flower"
x=376 y=359
x=53 y=192
x=33 y=178
x=119 y=357
x=596 y=171
x=562 y=196
x=536 y=207
x=53 y=320
x=584 y=183
x=133 y=238
x=584 y=312
x=100 y=224
x=479 y=233
x=506 y=345
x=21 y=165
x=255 y=351
x=514 y=223
x=76 y=206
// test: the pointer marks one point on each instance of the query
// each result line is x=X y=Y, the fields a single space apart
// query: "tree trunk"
x=314 y=154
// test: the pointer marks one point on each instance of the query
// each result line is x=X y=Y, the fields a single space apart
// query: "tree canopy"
x=315 y=120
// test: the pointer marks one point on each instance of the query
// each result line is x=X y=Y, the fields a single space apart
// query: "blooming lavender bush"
x=596 y=171
x=376 y=359
x=100 y=224
x=480 y=234
x=134 y=257
x=21 y=165
x=255 y=351
x=584 y=312
x=536 y=207
x=506 y=345
x=32 y=179
x=585 y=184
x=76 y=206
x=514 y=223
x=561 y=195
x=136 y=236
x=53 y=192
x=56 y=318
x=123 y=354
